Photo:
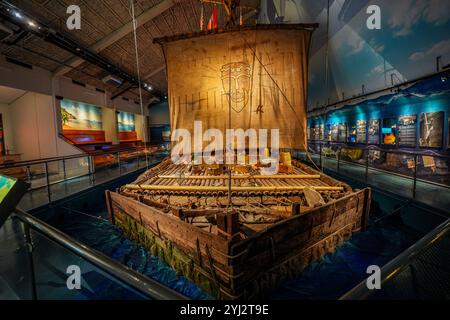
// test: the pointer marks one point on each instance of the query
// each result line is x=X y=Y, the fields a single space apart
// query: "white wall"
x=109 y=119
x=142 y=134
x=7 y=128
x=33 y=123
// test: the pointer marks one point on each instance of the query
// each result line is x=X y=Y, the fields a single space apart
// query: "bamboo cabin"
x=234 y=230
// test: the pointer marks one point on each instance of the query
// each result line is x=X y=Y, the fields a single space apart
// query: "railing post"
x=338 y=158
x=64 y=168
x=90 y=167
x=28 y=173
x=415 y=177
x=320 y=156
x=29 y=248
x=47 y=178
x=118 y=162
x=138 y=160
x=367 y=165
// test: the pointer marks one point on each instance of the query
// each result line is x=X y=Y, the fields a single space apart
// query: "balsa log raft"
x=224 y=253
x=233 y=189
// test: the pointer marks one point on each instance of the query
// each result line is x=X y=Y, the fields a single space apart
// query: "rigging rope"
x=282 y=93
x=133 y=16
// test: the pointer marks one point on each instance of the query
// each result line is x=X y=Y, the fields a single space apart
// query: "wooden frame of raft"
x=241 y=269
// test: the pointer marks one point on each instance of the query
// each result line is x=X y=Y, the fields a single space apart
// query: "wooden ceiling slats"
x=101 y=18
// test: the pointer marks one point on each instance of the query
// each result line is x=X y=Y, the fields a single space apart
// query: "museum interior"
x=224 y=150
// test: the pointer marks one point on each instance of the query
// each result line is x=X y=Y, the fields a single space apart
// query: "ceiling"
x=103 y=22
x=9 y=95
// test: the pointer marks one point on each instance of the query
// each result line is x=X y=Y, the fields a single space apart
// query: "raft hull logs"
x=239 y=253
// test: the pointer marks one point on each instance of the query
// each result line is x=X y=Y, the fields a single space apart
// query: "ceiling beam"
x=115 y=36
x=155 y=72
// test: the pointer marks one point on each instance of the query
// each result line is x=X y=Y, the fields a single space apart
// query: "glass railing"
x=46 y=175
x=420 y=272
x=40 y=262
x=421 y=169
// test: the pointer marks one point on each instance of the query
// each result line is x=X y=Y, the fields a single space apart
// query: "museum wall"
x=33 y=123
x=109 y=117
x=413 y=33
x=7 y=128
x=406 y=110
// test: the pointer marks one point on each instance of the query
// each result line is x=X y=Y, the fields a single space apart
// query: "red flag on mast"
x=213 y=20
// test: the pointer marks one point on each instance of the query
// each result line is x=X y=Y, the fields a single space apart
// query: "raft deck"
x=274 y=226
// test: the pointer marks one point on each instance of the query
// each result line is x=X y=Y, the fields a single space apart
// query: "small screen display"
x=386 y=130
x=6 y=184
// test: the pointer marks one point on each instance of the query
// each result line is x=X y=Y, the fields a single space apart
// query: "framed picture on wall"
x=322 y=132
x=374 y=131
x=342 y=132
x=389 y=131
x=361 y=131
x=334 y=132
x=352 y=132
x=407 y=130
x=431 y=129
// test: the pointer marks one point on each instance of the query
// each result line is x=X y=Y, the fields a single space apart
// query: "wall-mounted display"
x=389 y=131
x=321 y=132
x=314 y=133
x=431 y=129
x=334 y=132
x=361 y=131
x=352 y=132
x=126 y=122
x=374 y=131
x=407 y=130
x=342 y=132
x=80 y=116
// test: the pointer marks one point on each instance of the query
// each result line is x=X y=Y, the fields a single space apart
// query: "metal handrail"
x=378 y=148
x=398 y=264
x=138 y=281
x=75 y=156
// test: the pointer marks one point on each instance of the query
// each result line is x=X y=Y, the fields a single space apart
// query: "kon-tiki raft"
x=232 y=229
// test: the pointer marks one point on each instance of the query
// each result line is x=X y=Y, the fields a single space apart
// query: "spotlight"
x=32 y=24
x=17 y=15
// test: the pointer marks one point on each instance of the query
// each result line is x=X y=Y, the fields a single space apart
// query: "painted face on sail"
x=236 y=82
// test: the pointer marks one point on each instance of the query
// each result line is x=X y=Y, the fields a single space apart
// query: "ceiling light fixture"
x=17 y=15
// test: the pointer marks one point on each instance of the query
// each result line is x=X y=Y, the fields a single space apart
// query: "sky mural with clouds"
x=413 y=33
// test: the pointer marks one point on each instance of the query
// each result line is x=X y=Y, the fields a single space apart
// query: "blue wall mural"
x=413 y=33
x=126 y=121
x=80 y=116
x=423 y=106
